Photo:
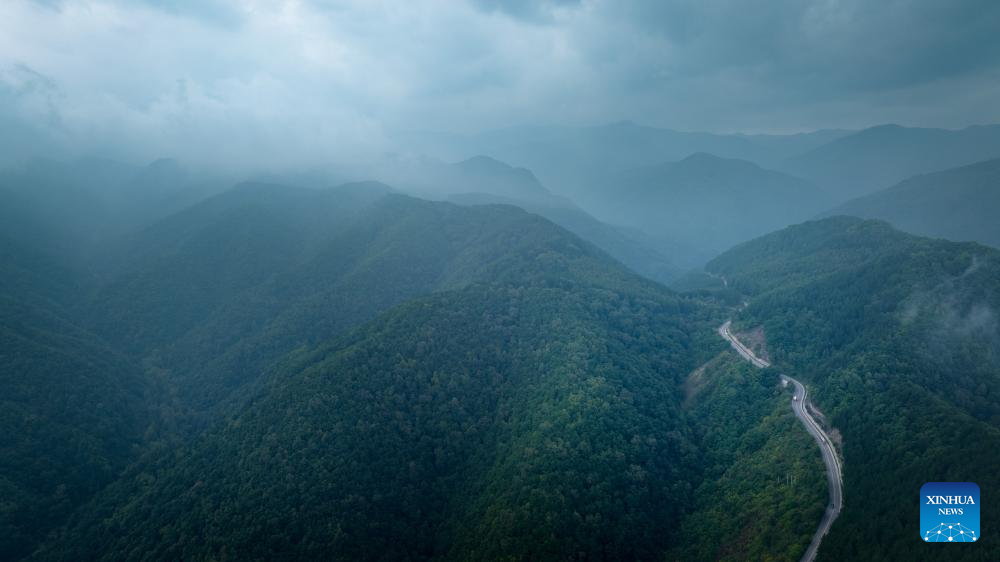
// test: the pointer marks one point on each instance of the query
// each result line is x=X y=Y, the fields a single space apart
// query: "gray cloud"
x=287 y=82
x=537 y=11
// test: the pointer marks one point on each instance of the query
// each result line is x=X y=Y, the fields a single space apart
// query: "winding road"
x=800 y=401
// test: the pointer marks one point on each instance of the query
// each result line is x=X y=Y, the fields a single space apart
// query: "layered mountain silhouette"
x=485 y=180
x=577 y=161
x=708 y=204
x=958 y=204
x=879 y=157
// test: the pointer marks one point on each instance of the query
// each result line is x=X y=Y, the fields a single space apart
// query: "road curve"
x=800 y=401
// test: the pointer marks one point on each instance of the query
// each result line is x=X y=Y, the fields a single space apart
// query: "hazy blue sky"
x=290 y=80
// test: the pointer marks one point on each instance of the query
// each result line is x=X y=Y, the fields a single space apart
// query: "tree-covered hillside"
x=633 y=248
x=73 y=411
x=898 y=336
x=762 y=489
x=281 y=373
x=216 y=294
x=484 y=180
x=533 y=407
x=535 y=414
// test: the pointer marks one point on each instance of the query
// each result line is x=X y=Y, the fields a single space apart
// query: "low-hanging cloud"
x=285 y=82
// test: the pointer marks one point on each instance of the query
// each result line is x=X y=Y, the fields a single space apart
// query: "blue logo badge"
x=949 y=512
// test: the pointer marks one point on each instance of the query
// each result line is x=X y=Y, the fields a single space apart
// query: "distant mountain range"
x=631 y=175
x=623 y=144
x=577 y=161
x=707 y=204
x=432 y=178
x=880 y=157
x=485 y=180
x=957 y=204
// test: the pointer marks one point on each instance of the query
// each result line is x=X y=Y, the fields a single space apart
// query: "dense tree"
x=899 y=339
x=532 y=419
x=354 y=374
x=763 y=488
x=73 y=411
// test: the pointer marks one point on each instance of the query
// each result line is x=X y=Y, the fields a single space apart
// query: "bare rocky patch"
x=696 y=380
x=756 y=341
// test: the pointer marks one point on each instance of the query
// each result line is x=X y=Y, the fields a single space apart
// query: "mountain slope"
x=487 y=175
x=357 y=374
x=538 y=414
x=484 y=180
x=960 y=204
x=879 y=157
x=762 y=490
x=533 y=414
x=216 y=294
x=436 y=179
x=709 y=203
x=897 y=337
x=632 y=248
x=73 y=411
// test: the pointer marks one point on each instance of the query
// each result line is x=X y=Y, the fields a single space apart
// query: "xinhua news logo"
x=949 y=512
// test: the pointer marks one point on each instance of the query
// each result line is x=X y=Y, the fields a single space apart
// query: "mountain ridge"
x=959 y=204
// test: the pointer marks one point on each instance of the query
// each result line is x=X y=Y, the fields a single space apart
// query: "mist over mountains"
x=216 y=311
x=957 y=204
x=477 y=280
x=882 y=156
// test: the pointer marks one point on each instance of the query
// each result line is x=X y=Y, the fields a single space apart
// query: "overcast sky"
x=281 y=80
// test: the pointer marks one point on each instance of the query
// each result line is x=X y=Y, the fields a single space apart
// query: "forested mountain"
x=762 y=490
x=72 y=409
x=630 y=246
x=879 y=157
x=534 y=409
x=352 y=373
x=475 y=280
x=514 y=419
x=411 y=379
x=706 y=204
x=216 y=293
x=960 y=204
x=484 y=180
x=898 y=337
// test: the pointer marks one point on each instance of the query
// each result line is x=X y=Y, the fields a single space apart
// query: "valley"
x=831 y=458
x=463 y=281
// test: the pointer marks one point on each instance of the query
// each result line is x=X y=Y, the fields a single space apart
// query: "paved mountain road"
x=800 y=402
